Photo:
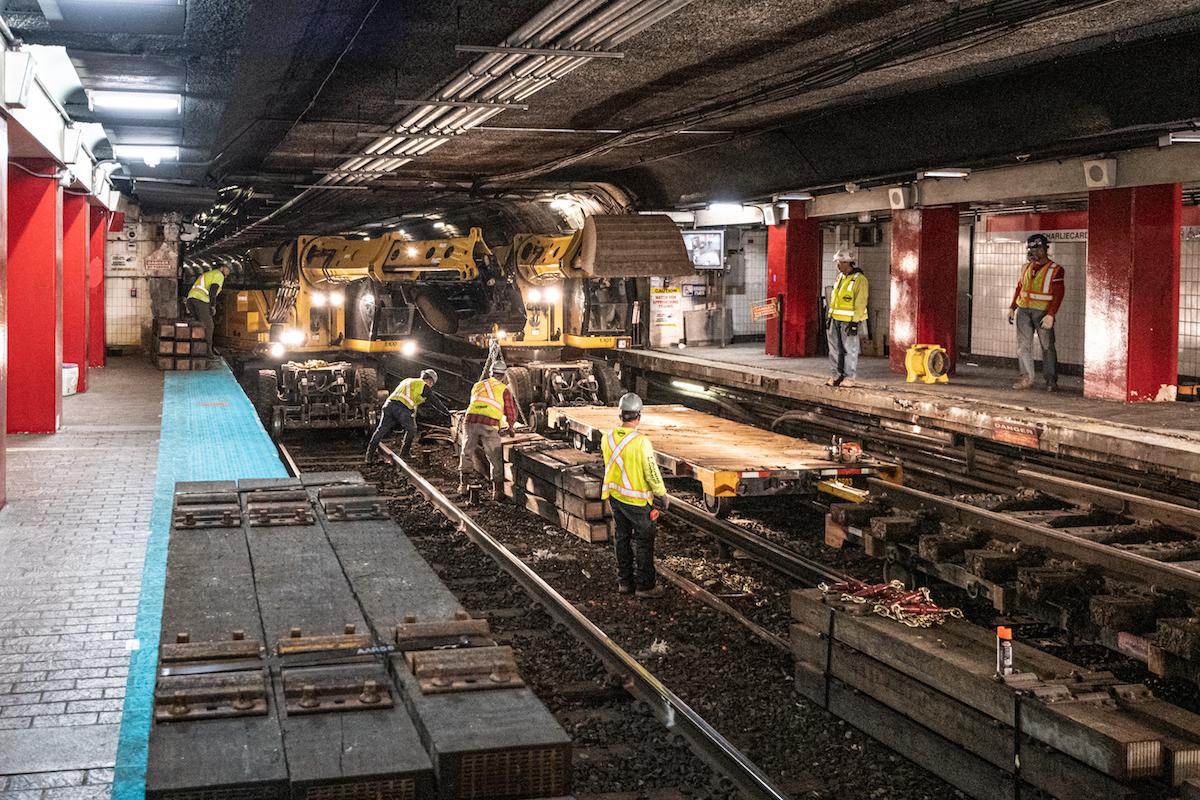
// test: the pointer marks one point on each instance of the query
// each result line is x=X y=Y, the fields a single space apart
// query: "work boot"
x=1023 y=384
x=1051 y=387
x=845 y=383
x=624 y=588
x=649 y=594
x=834 y=382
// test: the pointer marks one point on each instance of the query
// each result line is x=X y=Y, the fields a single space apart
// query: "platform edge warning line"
x=209 y=432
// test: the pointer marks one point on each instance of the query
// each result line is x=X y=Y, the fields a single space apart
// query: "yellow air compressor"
x=927 y=363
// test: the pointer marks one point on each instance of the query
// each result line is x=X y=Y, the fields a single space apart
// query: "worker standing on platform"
x=1034 y=305
x=201 y=298
x=400 y=410
x=492 y=406
x=847 y=308
x=632 y=482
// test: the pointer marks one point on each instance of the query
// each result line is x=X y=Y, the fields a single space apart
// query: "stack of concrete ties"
x=932 y=695
x=558 y=483
x=180 y=345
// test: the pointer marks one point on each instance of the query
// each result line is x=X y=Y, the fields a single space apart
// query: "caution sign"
x=765 y=310
x=1017 y=433
x=665 y=327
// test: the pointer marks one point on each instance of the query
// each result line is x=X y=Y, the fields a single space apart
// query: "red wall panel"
x=924 y=281
x=3 y=303
x=794 y=272
x=1132 y=327
x=98 y=230
x=75 y=284
x=34 y=387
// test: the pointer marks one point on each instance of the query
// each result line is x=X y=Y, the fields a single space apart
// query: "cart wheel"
x=717 y=506
x=277 y=423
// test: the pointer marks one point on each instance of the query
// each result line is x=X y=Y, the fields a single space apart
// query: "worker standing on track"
x=400 y=410
x=631 y=484
x=1034 y=305
x=200 y=300
x=847 y=308
x=492 y=405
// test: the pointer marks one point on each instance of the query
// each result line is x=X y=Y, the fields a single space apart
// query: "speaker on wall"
x=1100 y=173
x=898 y=198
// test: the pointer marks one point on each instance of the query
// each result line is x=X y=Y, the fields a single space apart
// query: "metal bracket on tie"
x=346 y=503
x=412 y=635
x=215 y=695
x=465 y=669
x=207 y=510
x=273 y=507
x=338 y=687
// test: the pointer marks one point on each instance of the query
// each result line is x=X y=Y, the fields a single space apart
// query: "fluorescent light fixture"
x=794 y=196
x=1179 y=137
x=151 y=155
x=726 y=208
x=138 y=101
x=944 y=173
x=689 y=387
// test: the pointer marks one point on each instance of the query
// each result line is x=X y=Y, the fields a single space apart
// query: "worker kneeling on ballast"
x=400 y=411
x=632 y=484
x=492 y=405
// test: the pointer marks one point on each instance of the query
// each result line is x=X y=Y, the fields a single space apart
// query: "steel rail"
x=1113 y=562
x=672 y=711
x=776 y=556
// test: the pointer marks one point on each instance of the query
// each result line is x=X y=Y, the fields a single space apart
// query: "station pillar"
x=75 y=284
x=34 y=298
x=3 y=304
x=98 y=220
x=1131 y=331
x=924 y=283
x=794 y=281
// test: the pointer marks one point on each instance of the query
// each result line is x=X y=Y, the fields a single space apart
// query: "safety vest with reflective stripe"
x=849 y=300
x=630 y=472
x=202 y=288
x=487 y=398
x=1035 y=288
x=411 y=392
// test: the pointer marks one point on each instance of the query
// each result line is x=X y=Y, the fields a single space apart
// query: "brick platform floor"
x=73 y=538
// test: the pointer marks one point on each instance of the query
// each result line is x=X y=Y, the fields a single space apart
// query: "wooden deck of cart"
x=729 y=459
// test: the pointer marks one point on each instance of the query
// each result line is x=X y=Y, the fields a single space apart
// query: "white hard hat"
x=429 y=376
x=844 y=254
x=630 y=404
x=499 y=367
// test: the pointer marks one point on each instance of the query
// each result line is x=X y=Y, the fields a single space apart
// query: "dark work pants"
x=203 y=312
x=394 y=415
x=634 y=544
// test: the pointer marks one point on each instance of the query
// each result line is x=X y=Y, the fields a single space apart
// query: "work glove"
x=1012 y=316
x=662 y=502
x=1048 y=321
x=853 y=329
x=655 y=514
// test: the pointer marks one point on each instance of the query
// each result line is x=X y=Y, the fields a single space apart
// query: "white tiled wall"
x=751 y=278
x=1189 y=304
x=125 y=315
x=999 y=258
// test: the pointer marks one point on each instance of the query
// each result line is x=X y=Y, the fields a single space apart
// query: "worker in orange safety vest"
x=632 y=484
x=492 y=406
x=1034 y=307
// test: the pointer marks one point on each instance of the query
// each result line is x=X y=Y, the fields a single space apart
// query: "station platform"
x=84 y=539
x=979 y=401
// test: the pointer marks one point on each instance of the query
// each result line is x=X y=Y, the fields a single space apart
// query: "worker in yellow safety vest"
x=1034 y=306
x=847 y=308
x=632 y=483
x=492 y=406
x=201 y=297
x=400 y=410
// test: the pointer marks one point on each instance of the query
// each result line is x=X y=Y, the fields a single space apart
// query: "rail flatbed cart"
x=732 y=459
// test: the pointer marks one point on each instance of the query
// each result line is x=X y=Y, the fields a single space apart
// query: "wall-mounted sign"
x=665 y=327
x=767 y=310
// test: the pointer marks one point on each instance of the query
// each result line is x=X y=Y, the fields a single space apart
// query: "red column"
x=3 y=299
x=98 y=234
x=34 y=299
x=924 y=281
x=794 y=275
x=1132 y=325
x=75 y=284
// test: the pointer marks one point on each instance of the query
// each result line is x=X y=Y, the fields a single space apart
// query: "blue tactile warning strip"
x=210 y=432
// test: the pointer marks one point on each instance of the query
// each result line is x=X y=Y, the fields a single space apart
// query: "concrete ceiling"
x=774 y=95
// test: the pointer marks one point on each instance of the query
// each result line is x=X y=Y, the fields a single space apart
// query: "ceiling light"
x=794 y=196
x=138 y=101
x=688 y=387
x=726 y=208
x=152 y=155
x=944 y=173
x=1178 y=137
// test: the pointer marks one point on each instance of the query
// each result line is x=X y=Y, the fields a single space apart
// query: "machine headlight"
x=319 y=299
x=336 y=299
x=277 y=350
x=292 y=336
x=553 y=294
x=409 y=348
x=535 y=295
x=501 y=334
